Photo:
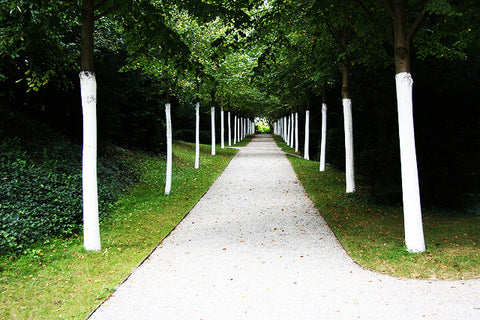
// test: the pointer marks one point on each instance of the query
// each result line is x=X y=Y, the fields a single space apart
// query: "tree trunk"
x=245 y=127
x=292 y=131
x=348 y=129
x=91 y=228
x=87 y=43
x=306 y=146
x=235 y=129
x=229 y=130
x=197 y=135
x=222 y=125
x=412 y=210
x=88 y=89
x=212 y=112
x=323 y=143
x=287 y=140
x=168 y=120
x=296 y=131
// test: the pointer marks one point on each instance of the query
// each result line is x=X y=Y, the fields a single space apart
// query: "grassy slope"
x=61 y=280
x=373 y=235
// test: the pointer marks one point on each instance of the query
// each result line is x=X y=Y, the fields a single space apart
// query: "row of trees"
x=252 y=58
x=348 y=33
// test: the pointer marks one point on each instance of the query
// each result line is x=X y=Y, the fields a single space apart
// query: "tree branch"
x=416 y=24
x=374 y=19
x=333 y=32
x=106 y=12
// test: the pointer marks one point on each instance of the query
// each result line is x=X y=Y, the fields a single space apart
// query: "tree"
x=88 y=86
x=406 y=19
x=414 y=238
x=323 y=143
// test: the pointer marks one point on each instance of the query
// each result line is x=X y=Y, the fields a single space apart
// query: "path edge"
x=161 y=241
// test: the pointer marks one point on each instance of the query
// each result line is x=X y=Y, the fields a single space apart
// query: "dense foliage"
x=41 y=182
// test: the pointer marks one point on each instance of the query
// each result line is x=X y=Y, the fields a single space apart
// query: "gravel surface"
x=255 y=247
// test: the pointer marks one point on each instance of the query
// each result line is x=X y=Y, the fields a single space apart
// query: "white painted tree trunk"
x=197 y=135
x=285 y=129
x=229 y=130
x=213 y=129
x=296 y=132
x=91 y=227
x=348 y=128
x=323 y=143
x=244 y=128
x=280 y=127
x=240 y=126
x=412 y=210
x=235 y=130
x=306 y=150
x=168 y=180
x=239 y=129
x=222 y=129
x=292 y=131
x=287 y=140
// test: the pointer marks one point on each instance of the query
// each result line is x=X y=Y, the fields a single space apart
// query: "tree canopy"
x=261 y=58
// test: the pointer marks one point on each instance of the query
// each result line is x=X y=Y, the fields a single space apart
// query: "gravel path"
x=255 y=247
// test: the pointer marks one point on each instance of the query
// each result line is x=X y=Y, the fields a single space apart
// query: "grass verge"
x=373 y=234
x=59 y=279
x=285 y=148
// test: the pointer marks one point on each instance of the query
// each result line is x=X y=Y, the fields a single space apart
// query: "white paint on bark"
x=349 y=162
x=91 y=227
x=197 y=135
x=412 y=210
x=240 y=131
x=235 y=130
x=296 y=132
x=323 y=142
x=229 y=129
x=287 y=140
x=222 y=130
x=168 y=120
x=306 y=146
x=292 y=131
x=213 y=129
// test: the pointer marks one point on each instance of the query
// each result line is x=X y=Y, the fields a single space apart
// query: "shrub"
x=41 y=188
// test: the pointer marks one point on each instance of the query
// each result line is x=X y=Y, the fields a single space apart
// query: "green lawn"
x=373 y=234
x=59 y=279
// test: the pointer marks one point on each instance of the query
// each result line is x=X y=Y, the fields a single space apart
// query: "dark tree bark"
x=345 y=80
x=86 y=53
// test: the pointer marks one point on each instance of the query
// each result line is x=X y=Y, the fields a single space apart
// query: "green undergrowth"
x=58 y=279
x=373 y=234
x=41 y=186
